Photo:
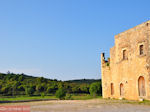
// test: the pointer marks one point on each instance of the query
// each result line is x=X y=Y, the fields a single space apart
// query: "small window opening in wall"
x=141 y=49
x=112 y=88
x=121 y=90
x=147 y=24
x=124 y=54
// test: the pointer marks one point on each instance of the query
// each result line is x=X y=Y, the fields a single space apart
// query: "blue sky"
x=63 y=39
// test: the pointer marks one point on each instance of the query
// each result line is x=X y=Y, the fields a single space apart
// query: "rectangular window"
x=124 y=54
x=141 y=49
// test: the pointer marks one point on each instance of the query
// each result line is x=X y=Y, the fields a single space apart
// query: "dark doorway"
x=141 y=86
x=112 y=88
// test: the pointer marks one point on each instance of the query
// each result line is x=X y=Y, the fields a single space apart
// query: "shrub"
x=29 y=91
x=84 y=88
x=42 y=95
x=95 y=89
x=68 y=97
x=60 y=93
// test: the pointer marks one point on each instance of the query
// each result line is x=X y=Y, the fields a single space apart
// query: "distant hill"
x=81 y=81
x=28 y=77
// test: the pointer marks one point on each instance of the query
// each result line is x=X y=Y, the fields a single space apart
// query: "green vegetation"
x=60 y=93
x=83 y=97
x=24 y=98
x=144 y=102
x=29 y=87
x=95 y=89
x=68 y=97
x=87 y=81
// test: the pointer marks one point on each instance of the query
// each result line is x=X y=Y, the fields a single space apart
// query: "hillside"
x=83 y=81
x=20 y=84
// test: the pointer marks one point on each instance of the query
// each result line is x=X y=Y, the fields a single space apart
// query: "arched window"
x=141 y=48
x=112 y=88
x=121 y=90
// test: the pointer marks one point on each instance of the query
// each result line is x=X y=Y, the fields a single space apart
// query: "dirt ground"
x=94 y=105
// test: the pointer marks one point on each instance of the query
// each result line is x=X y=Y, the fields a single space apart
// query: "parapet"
x=104 y=63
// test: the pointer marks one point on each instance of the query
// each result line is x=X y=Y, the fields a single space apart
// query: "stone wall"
x=127 y=71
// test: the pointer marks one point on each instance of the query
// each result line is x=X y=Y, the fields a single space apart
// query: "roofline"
x=133 y=28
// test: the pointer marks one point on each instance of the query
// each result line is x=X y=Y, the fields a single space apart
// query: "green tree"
x=5 y=90
x=41 y=80
x=52 y=88
x=75 y=88
x=60 y=93
x=29 y=91
x=39 y=88
x=49 y=90
x=21 y=78
x=95 y=89
x=42 y=95
x=84 y=88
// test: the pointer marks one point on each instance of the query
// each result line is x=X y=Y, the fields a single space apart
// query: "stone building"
x=126 y=74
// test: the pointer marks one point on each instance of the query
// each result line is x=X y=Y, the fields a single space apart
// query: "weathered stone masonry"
x=127 y=73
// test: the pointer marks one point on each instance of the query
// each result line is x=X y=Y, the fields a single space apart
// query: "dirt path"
x=96 y=105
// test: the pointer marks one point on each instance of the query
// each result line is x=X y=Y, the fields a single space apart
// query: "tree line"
x=20 y=84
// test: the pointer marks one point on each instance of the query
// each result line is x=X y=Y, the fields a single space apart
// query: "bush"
x=60 y=93
x=29 y=91
x=68 y=97
x=95 y=89
x=42 y=95
x=84 y=88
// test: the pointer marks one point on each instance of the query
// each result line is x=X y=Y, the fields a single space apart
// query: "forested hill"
x=19 y=77
x=81 y=81
x=21 y=84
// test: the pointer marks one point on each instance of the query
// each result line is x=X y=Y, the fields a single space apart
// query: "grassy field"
x=25 y=98
x=145 y=102
x=20 y=98
x=84 y=97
